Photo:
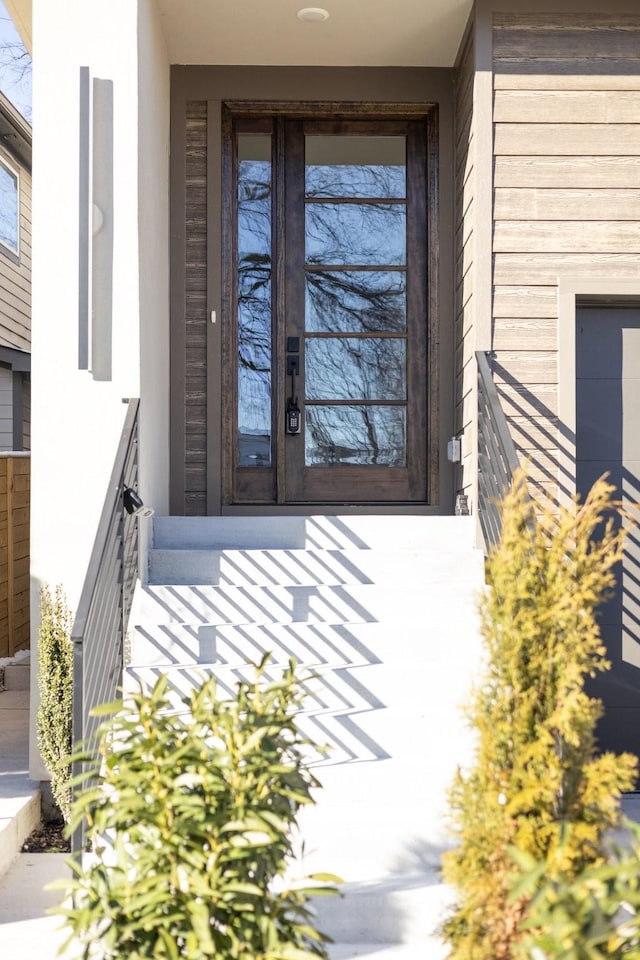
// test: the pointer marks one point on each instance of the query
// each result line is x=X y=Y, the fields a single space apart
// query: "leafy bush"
x=535 y=783
x=590 y=916
x=55 y=682
x=190 y=818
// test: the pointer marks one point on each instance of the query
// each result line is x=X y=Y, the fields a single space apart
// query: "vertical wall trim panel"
x=84 y=138
x=214 y=307
x=177 y=164
x=195 y=310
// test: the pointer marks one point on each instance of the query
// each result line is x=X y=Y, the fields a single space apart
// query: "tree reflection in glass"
x=355 y=300
x=349 y=368
x=254 y=300
x=355 y=435
x=356 y=233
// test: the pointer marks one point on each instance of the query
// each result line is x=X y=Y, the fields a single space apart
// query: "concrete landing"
x=26 y=931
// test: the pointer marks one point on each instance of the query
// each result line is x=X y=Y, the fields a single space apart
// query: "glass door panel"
x=254 y=301
x=355 y=280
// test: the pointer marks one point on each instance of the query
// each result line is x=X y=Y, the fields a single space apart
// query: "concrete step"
x=451 y=636
x=397 y=603
x=431 y=948
x=19 y=816
x=363 y=729
x=409 y=687
x=383 y=838
x=383 y=612
x=395 y=735
x=311 y=567
x=327 y=533
x=17 y=674
x=19 y=796
x=397 y=910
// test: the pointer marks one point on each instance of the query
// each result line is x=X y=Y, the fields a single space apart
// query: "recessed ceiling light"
x=312 y=14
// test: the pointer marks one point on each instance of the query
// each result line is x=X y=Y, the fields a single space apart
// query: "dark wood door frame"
x=423 y=418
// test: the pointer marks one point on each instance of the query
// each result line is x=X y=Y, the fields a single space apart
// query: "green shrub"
x=199 y=808
x=590 y=916
x=55 y=682
x=535 y=783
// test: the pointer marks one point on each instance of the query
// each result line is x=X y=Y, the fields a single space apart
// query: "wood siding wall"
x=566 y=196
x=195 y=307
x=15 y=276
x=15 y=483
x=465 y=370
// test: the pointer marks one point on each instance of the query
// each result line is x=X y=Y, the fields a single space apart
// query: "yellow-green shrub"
x=535 y=783
x=55 y=682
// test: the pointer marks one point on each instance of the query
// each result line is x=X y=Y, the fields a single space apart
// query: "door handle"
x=292 y=414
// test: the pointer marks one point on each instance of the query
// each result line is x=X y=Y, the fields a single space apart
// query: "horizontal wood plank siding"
x=566 y=195
x=195 y=309
x=567 y=205
x=565 y=106
x=588 y=173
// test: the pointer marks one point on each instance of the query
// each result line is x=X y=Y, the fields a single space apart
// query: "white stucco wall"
x=77 y=420
x=153 y=238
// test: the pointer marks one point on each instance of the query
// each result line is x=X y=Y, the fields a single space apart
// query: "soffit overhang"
x=359 y=33
x=401 y=33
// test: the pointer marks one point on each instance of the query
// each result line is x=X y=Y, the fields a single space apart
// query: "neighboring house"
x=253 y=221
x=15 y=279
x=15 y=376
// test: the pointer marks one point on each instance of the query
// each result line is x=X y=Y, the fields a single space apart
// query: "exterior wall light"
x=133 y=504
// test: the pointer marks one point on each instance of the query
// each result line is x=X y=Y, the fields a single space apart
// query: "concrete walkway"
x=26 y=932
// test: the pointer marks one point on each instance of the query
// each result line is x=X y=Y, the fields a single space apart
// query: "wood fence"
x=15 y=495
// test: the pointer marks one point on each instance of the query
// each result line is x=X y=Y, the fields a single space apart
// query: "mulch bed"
x=47 y=838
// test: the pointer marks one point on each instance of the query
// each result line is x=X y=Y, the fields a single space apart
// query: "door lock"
x=293 y=419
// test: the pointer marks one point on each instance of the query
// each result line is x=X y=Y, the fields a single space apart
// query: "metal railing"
x=497 y=457
x=105 y=603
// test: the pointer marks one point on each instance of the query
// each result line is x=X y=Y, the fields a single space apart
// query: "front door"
x=326 y=319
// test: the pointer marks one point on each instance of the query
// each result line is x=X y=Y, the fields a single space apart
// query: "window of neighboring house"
x=9 y=208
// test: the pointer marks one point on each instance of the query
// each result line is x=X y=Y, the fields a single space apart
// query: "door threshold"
x=334 y=510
